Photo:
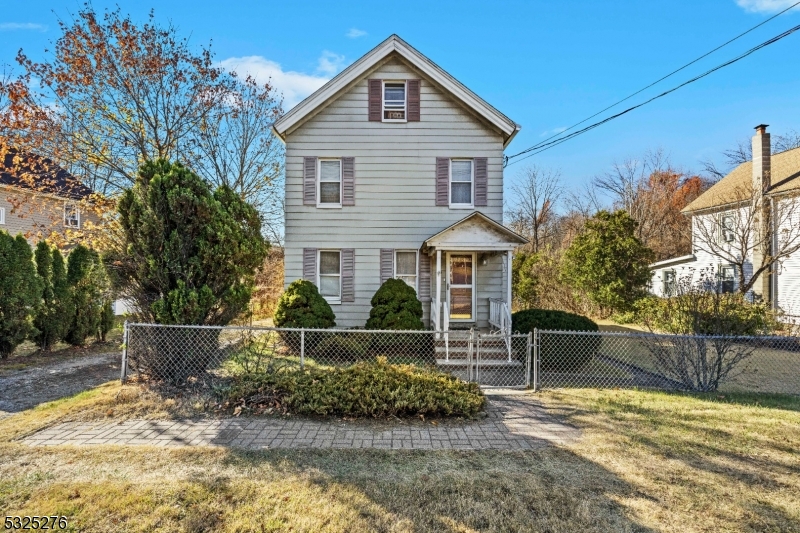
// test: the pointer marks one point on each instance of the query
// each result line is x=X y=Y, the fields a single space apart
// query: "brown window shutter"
x=424 y=285
x=375 y=100
x=310 y=265
x=387 y=264
x=309 y=181
x=481 y=181
x=348 y=275
x=443 y=181
x=412 y=99
x=348 y=181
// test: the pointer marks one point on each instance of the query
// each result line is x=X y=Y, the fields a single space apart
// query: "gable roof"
x=395 y=44
x=476 y=231
x=40 y=174
x=730 y=189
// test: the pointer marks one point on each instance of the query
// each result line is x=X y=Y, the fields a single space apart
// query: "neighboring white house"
x=728 y=220
x=395 y=169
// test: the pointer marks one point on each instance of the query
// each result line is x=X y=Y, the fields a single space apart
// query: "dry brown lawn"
x=647 y=462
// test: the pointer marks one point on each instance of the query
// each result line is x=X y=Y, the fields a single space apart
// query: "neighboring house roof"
x=674 y=261
x=30 y=171
x=475 y=231
x=395 y=44
x=729 y=190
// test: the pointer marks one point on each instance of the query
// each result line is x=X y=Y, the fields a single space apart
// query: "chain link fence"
x=187 y=354
x=666 y=362
x=541 y=360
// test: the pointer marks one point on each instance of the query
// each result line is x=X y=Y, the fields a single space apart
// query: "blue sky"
x=545 y=64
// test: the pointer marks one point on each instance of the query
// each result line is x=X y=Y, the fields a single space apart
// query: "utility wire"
x=547 y=145
x=542 y=143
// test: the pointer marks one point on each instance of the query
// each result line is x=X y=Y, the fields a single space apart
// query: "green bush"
x=106 y=320
x=345 y=346
x=707 y=313
x=563 y=353
x=302 y=306
x=53 y=315
x=366 y=389
x=395 y=306
x=20 y=292
x=88 y=285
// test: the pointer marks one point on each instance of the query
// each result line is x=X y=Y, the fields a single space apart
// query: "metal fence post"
x=528 y=362
x=124 y=366
x=302 y=348
x=535 y=359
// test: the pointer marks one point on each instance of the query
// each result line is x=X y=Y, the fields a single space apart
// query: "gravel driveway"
x=24 y=389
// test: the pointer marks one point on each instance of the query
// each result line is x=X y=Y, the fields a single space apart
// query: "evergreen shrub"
x=559 y=353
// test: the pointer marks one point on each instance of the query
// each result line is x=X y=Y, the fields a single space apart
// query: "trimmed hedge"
x=395 y=306
x=302 y=306
x=366 y=389
x=559 y=353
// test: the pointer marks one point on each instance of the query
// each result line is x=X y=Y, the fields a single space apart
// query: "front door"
x=461 y=286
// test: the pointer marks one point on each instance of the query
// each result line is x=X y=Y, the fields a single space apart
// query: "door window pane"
x=461 y=270
x=461 y=303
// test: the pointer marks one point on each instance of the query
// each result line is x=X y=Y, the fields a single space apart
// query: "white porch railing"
x=500 y=319
x=446 y=327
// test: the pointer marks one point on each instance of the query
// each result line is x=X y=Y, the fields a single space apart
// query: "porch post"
x=438 y=286
x=508 y=275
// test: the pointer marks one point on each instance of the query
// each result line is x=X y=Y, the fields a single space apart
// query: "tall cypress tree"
x=20 y=292
x=54 y=313
x=82 y=277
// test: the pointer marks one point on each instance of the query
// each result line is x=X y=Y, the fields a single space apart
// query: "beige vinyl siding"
x=33 y=215
x=395 y=180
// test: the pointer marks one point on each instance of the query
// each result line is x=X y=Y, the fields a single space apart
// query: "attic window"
x=394 y=101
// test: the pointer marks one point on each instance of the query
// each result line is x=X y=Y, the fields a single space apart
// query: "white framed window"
x=727 y=277
x=329 y=184
x=405 y=266
x=2 y=215
x=72 y=216
x=329 y=275
x=670 y=283
x=727 y=226
x=394 y=101
x=462 y=180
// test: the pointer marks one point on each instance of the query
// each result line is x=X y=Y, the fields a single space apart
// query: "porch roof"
x=475 y=232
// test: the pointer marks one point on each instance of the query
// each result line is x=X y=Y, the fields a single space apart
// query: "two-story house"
x=394 y=169
x=38 y=198
x=751 y=213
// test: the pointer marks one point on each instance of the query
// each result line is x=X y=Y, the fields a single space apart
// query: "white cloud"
x=355 y=33
x=554 y=131
x=293 y=85
x=764 y=6
x=329 y=63
x=12 y=26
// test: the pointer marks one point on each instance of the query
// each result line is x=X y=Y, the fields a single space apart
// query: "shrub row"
x=366 y=389
x=45 y=301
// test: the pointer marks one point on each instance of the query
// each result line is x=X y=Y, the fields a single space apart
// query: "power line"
x=541 y=147
x=544 y=142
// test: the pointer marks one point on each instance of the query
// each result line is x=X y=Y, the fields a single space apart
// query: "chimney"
x=762 y=159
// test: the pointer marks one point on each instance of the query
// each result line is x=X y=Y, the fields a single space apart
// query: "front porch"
x=471 y=288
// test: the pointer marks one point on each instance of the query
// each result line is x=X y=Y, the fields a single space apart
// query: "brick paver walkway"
x=514 y=422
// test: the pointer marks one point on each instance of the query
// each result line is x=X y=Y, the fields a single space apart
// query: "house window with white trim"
x=72 y=216
x=394 y=101
x=727 y=276
x=2 y=215
x=330 y=183
x=670 y=283
x=727 y=223
x=405 y=267
x=462 y=178
x=329 y=276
